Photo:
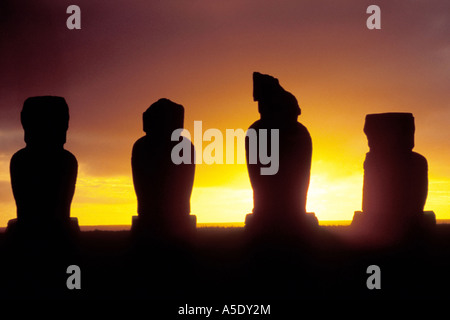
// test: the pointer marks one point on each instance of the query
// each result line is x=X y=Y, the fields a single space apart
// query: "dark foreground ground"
x=223 y=265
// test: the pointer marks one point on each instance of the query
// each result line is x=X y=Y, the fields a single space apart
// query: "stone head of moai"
x=390 y=132
x=162 y=118
x=274 y=103
x=45 y=120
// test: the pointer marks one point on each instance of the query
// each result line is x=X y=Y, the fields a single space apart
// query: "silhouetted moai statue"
x=279 y=200
x=395 y=178
x=163 y=188
x=43 y=174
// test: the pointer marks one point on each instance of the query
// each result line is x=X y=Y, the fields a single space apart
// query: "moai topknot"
x=163 y=188
x=395 y=178
x=279 y=200
x=43 y=174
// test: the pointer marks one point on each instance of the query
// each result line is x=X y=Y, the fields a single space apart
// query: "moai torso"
x=281 y=196
x=43 y=174
x=395 y=177
x=163 y=188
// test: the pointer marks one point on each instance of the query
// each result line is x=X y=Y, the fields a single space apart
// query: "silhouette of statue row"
x=43 y=174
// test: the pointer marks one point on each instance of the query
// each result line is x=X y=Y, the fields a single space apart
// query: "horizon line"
x=127 y=227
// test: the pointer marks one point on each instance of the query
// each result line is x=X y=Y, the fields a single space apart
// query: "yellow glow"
x=104 y=201
x=111 y=200
x=223 y=194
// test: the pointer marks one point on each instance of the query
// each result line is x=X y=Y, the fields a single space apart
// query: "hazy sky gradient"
x=202 y=54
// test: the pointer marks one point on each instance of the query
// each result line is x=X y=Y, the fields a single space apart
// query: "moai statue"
x=43 y=174
x=163 y=188
x=279 y=198
x=395 y=178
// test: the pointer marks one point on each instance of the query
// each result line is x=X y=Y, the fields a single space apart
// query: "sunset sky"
x=202 y=54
